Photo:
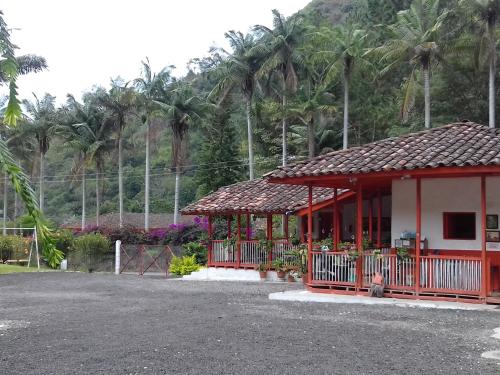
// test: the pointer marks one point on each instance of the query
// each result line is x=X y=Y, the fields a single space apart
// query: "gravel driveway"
x=72 y=323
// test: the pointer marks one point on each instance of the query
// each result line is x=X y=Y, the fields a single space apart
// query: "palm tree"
x=149 y=86
x=280 y=45
x=240 y=70
x=78 y=131
x=42 y=125
x=25 y=64
x=415 y=39
x=484 y=14
x=342 y=49
x=181 y=109
x=18 y=179
x=119 y=103
x=101 y=142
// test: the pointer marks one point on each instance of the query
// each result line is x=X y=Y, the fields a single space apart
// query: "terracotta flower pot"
x=304 y=278
x=263 y=275
x=291 y=279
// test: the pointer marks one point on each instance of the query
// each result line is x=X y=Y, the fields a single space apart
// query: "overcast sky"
x=87 y=42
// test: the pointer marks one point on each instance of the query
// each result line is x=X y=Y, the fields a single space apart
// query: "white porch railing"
x=453 y=274
x=330 y=267
x=253 y=253
x=396 y=272
x=222 y=253
x=281 y=250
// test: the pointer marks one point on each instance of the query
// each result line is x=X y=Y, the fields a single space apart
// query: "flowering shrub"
x=183 y=266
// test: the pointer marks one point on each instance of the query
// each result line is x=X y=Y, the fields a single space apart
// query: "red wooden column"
x=302 y=230
x=359 y=236
x=483 y=238
x=418 y=235
x=249 y=227
x=210 y=240
x=285 y=226
x=309 y=235
x=335 y=221
x=379 y=218
x=270 y=234
x=370 y=220
x=238 y=243
x=229 y=234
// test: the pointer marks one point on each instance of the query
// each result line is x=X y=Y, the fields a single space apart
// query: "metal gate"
x=142 y=259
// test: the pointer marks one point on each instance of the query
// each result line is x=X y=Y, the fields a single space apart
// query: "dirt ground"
x=74 y=323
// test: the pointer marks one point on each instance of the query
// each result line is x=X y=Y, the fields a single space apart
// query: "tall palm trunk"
x=250 y=138
x=427 y=94
x=97 y=197
x=345 y=142
x=16 y=198
x=84 y=175
x=493 y=63
x=42 y=174
x=310 y=138
x=176 y=193
x=5 y=191
x=120 y=178
x=284 y=131
x=146 y=182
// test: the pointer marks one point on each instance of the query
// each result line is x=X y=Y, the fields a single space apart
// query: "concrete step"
x=229 y=274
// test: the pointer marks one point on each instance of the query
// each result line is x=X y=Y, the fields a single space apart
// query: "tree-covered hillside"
x=339 y=73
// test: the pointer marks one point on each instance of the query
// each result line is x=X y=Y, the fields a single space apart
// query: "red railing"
x=450 y=274
x=454 y=275
x=330 y=267
x=247 y=254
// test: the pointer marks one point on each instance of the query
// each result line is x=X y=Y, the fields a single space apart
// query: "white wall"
x=438 y=196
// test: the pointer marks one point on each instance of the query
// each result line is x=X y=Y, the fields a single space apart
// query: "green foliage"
x=183 y=265
x=198 y=250
x=64 y=240
x=14 y=247
x=88 y=251
x=92 y=244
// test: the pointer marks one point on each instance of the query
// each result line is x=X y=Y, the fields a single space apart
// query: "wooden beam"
x=238 y=244
x=335 y=227
x=285 y=227
x=249 y=227
x=309 y=235
x=418 y=236
x=209 y=230
x=370 y=220
x=359 y=236
x=269 y=220
x=379 y=218
x=484 y=270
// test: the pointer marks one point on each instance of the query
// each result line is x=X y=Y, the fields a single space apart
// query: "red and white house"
x=439 y=188
x=256 y=202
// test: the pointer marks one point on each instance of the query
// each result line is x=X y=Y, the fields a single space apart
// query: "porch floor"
x=307 y=296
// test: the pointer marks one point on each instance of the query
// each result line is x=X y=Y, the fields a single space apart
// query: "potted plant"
x=262 y=268
x=280 y=268
x=298 y=259
x=293 y=274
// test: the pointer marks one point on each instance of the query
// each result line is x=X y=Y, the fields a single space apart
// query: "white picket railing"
x=438 y=273
x=397 y=272
x=222 y=253
x=253 y=253
x=333 y=267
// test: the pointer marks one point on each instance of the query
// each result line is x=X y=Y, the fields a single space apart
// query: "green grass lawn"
x=8 y=268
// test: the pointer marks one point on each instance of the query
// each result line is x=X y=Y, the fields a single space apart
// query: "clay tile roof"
x=455 y=145
x=257 y=197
